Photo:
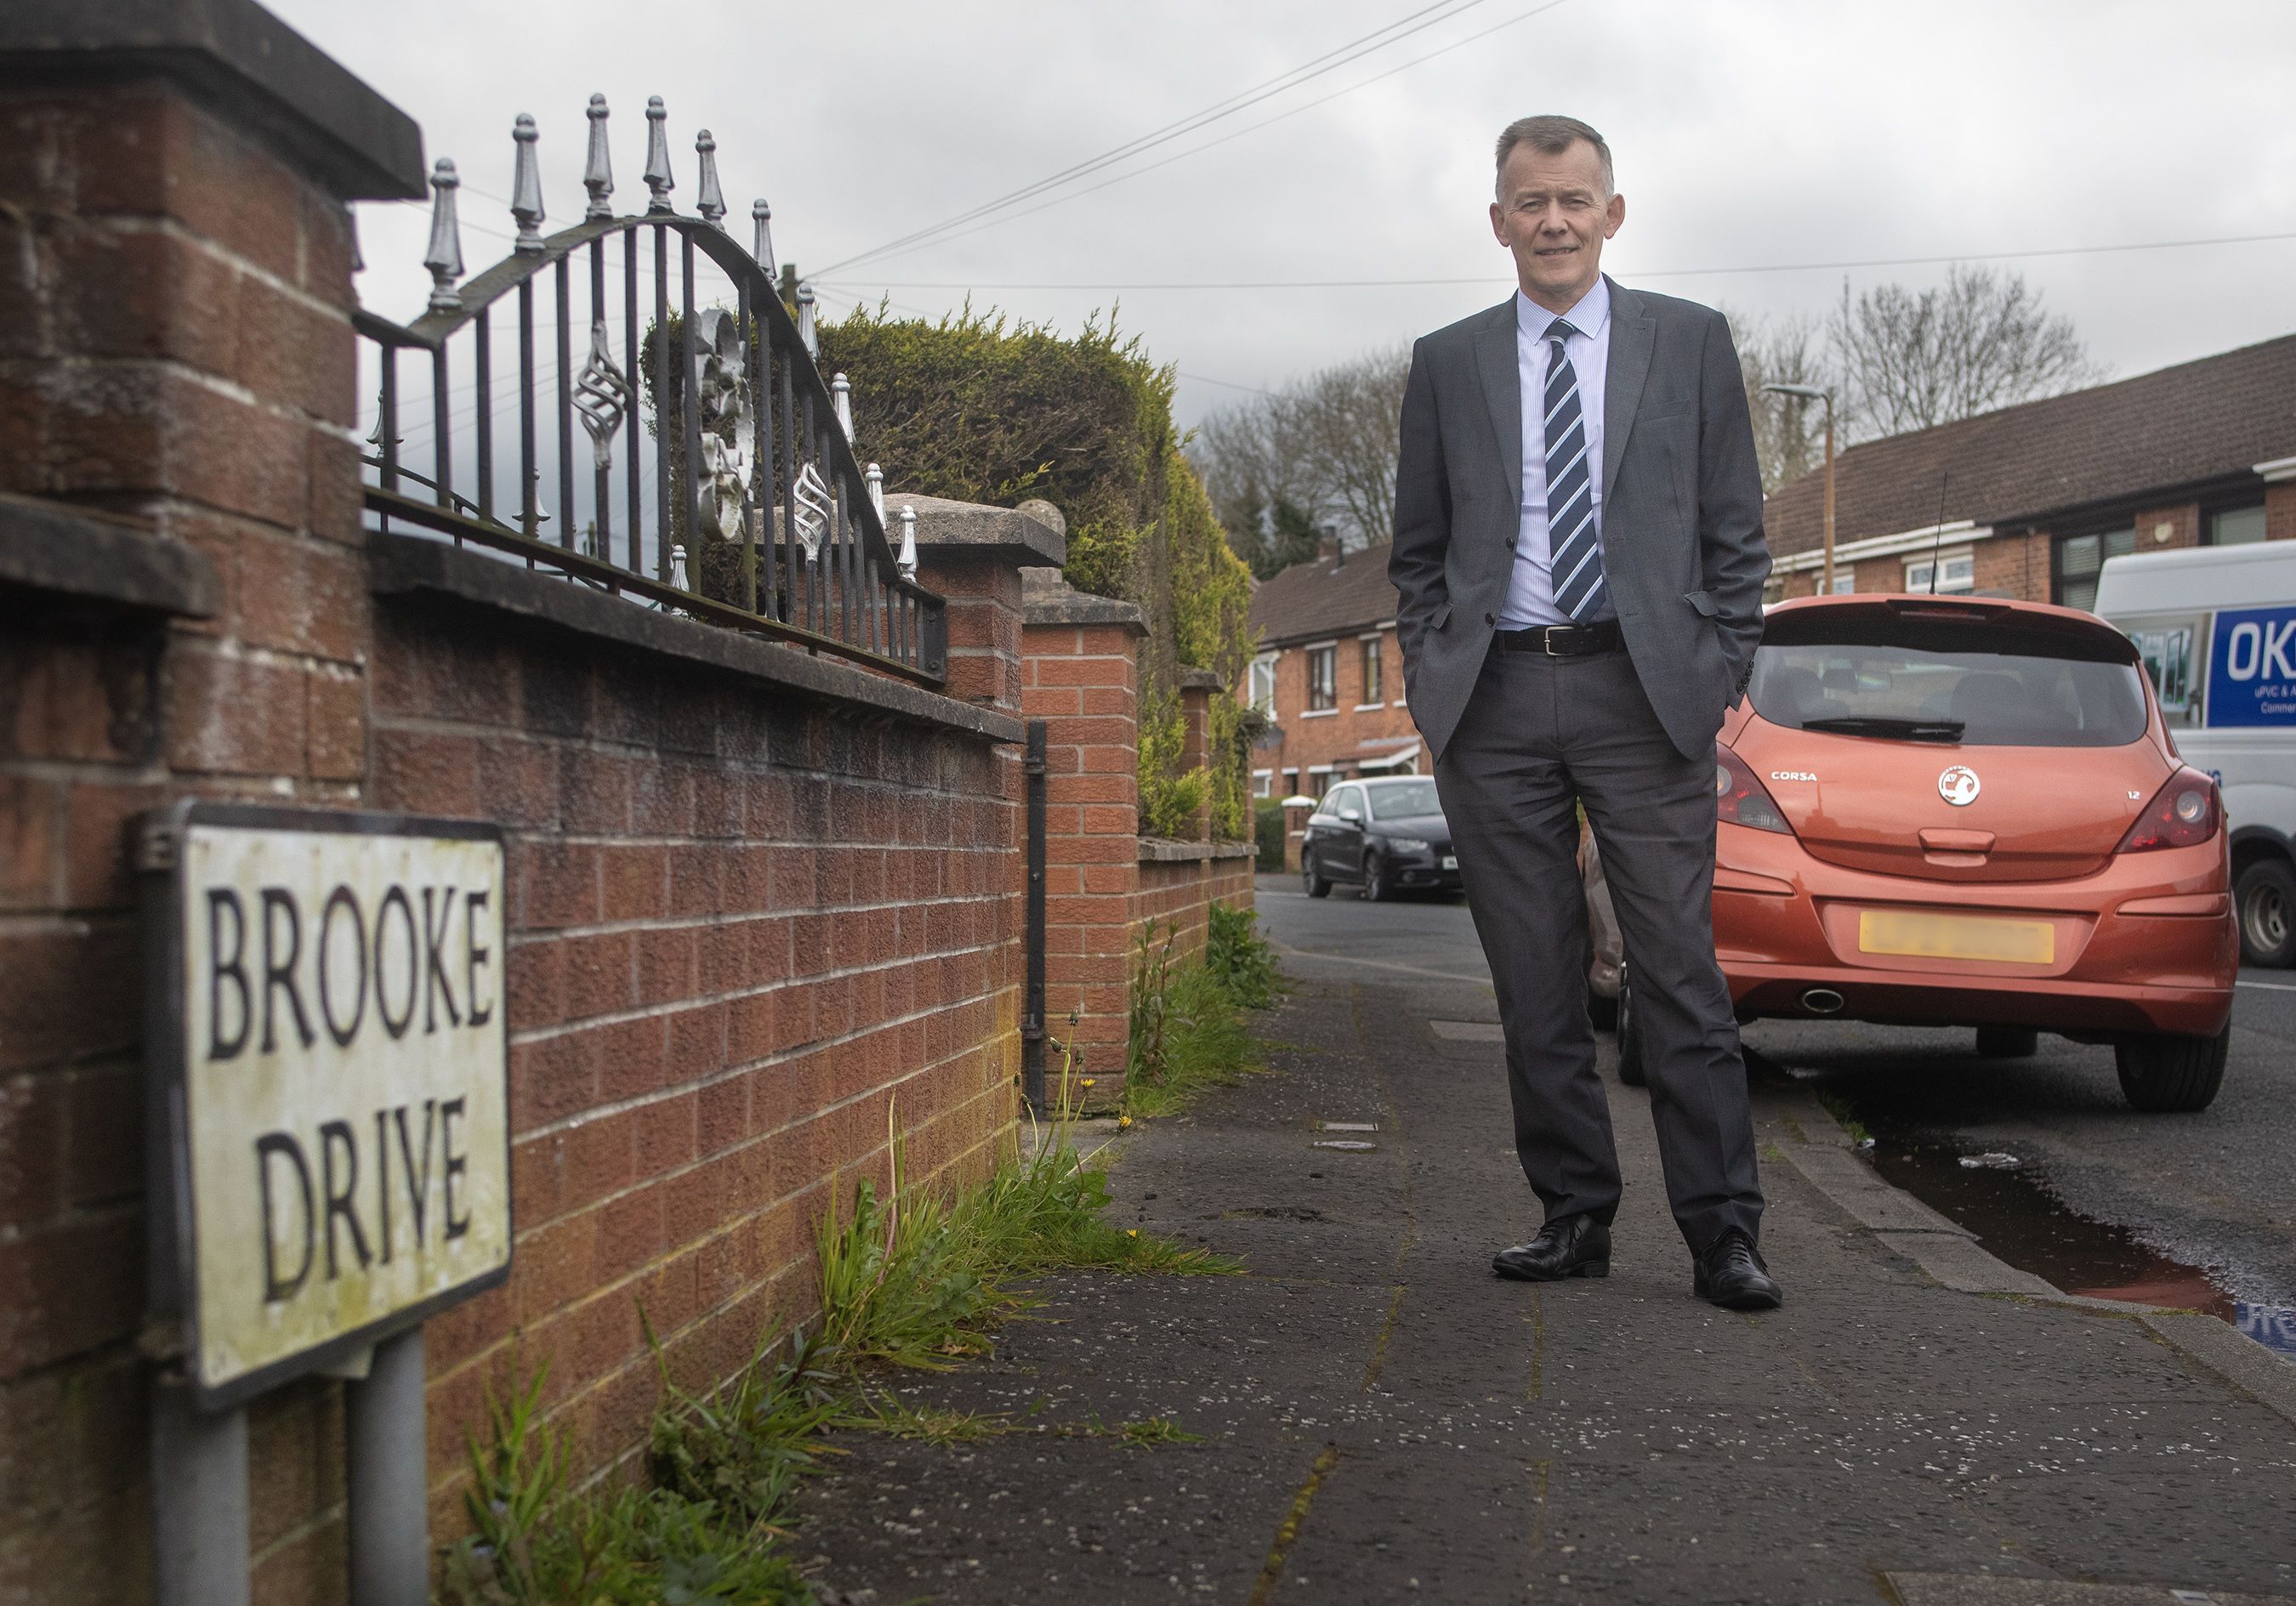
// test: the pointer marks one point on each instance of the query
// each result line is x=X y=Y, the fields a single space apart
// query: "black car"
x=1386 y=834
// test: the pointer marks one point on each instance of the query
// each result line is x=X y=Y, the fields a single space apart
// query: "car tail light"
x=1739 y=799
x=2182 y=814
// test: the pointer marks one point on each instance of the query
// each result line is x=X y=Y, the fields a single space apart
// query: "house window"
x=1323 y=678
x=1263 y=685
x=1371 y=668
x=1953 y=572
x=1774 y=590
x=1263 y=783
x=2235 y=526
x=1845 y=579
x=2081 y=558
x=1291 y=783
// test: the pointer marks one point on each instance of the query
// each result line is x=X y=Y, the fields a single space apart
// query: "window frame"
x=1328 y=690
x=1262 y=665
x=1373 y=644
x=2210 y=514
x=1944 y=560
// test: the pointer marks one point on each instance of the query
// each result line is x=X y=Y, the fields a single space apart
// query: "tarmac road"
x=2214 y=1190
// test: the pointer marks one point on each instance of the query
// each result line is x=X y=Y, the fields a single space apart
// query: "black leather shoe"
x=1731 y=1273
x=1573 y=1246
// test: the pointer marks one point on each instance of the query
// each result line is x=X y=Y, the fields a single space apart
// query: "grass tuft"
x=914 y=1279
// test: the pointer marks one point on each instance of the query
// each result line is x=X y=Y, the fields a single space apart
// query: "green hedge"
x=982 y=409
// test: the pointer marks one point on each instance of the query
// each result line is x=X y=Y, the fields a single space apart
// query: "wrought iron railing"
x=721 y=482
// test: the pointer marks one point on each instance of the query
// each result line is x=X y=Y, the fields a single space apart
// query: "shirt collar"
x=1589 y=318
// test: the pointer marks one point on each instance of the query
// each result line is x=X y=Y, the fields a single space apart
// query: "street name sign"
x=332 y=1122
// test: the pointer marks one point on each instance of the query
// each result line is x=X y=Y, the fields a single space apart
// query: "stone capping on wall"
x=53 y=546
x=1201 y=680
x=948 y=528
x=1166 y=850
x=239 y=58
x=1048 y=599
x=401 y=565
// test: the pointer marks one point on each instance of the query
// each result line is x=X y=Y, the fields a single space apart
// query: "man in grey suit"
x=1579 y=553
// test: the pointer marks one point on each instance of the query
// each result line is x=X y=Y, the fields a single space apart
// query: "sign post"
x=328 y=1147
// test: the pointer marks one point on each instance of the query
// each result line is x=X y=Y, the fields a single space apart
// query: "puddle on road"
x=2022 y=1222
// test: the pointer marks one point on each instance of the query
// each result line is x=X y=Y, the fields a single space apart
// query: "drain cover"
x=1468 y=1031
x=1341 y=1143
x=1347 y=1126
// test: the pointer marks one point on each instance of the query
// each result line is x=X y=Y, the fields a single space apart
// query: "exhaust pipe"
x=1821 y=1000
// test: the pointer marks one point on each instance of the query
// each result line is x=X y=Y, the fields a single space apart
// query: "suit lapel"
x=1501 y=368
x=1634 y=332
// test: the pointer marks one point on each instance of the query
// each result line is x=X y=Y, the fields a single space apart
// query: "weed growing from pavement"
x=1188 y=1024
x=1838 y=1108
x=914 y=1279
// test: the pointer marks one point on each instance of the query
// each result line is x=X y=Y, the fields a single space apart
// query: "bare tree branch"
x=1911 y=359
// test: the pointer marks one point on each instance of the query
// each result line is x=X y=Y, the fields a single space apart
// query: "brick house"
x=2037 y=497
x=1330 y=674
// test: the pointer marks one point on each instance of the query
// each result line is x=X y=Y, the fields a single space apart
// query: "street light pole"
x=1813 y=393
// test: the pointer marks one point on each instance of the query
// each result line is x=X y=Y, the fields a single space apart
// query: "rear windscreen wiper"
x=1876 y=725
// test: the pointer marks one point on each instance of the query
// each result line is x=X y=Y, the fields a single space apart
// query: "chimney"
x=1330 y=549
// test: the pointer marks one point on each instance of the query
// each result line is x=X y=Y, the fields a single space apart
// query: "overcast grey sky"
x=1753 y=134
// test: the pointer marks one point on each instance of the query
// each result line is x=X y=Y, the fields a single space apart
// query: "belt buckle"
x=1546 y=640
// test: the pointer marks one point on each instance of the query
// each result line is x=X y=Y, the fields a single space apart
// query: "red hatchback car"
x=1943 y=811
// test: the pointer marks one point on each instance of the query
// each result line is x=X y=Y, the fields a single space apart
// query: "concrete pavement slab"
x=1382 y=1419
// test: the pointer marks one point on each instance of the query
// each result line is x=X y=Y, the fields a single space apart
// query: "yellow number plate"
x=1955 y=936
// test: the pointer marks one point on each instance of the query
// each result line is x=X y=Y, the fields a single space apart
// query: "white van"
x=2216 y=627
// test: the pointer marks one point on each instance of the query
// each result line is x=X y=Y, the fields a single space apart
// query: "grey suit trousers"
x=1539 y=735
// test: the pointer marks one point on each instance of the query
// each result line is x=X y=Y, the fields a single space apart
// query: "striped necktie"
x=1574 y=554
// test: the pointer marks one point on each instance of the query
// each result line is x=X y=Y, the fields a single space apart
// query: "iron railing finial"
x=761 y=221
x=907 y=561
x=658 y=180
x=841 y=402
x=875 y=477
x=444 y=259
x=808 y=330
x=598 y=171
x=526 y=187
x=711 y=203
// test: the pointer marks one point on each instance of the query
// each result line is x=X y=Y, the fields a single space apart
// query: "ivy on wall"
x=979 y=408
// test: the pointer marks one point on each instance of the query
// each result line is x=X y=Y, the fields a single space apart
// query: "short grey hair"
x=1552 y=136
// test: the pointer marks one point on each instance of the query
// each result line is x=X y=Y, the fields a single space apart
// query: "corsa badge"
x=1958 y=786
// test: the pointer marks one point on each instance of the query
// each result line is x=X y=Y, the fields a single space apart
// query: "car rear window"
x=1404 y=800
x=2014 y=681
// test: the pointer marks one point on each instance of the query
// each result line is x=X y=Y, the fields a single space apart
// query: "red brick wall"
x=2280 y=512
x=741 y=927
x=1311 y=740
x=743 y=922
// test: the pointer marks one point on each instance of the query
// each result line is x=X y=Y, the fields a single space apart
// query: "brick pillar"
x=973 y=555
x=183 y=611
x=1082 y=663
x=1198 y=687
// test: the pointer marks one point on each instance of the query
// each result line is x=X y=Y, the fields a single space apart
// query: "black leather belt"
x=1563 y=641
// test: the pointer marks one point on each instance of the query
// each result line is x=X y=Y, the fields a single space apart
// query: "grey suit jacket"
x=1681 y=519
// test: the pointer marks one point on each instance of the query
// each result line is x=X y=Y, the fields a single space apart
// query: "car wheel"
x=2006 y=1042
x=2265 y=898
x=2167 y=1074
x=1602 y=1010
x=1377 y=887
x=1631 y=1068
x=1314 y=885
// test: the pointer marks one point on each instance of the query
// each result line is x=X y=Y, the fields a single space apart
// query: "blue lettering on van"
x=2252 y=668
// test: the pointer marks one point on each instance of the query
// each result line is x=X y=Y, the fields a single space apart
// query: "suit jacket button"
x=1490 y=619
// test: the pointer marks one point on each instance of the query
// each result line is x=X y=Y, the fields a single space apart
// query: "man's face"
x=1554 y=214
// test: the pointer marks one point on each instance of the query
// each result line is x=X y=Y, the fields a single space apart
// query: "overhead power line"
x=1654 y=273
x=1331 y=60
x=1132 y=173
